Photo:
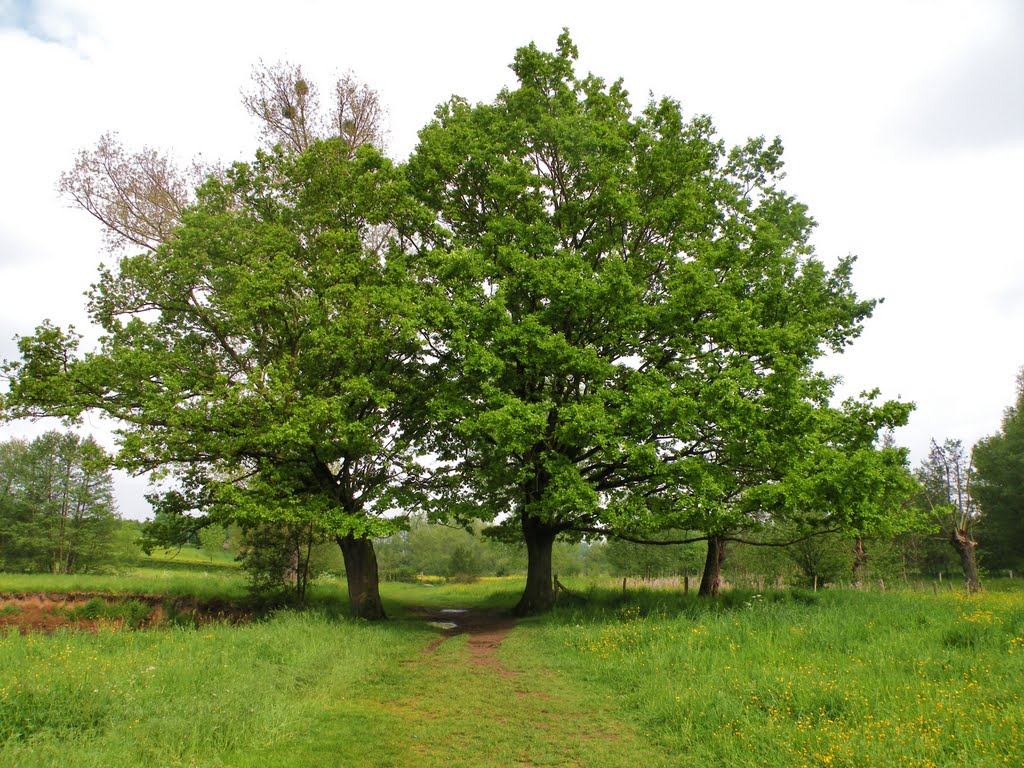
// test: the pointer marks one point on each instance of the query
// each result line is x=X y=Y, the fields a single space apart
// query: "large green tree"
x=57 y=510
x=999 y=488
x=627 y=313
x=263 y=355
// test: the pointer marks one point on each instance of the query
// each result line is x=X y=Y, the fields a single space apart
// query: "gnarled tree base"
x=965 y=547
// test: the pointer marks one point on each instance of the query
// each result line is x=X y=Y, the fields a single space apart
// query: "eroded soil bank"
x=49 y=611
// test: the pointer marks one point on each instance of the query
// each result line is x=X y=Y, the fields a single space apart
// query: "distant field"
x=783 y=679
x=189 y=556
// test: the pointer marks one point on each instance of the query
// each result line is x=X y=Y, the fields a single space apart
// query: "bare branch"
x=138 y=197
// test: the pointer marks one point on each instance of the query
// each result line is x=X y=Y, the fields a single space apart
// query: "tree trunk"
x=711 y=581
x=361 y=574
x=965 y=546
x=539 y=595
x=860 y=561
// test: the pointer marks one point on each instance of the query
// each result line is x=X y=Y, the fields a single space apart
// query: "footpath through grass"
x=787 y=680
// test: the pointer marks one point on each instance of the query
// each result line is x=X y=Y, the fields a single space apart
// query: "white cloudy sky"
x=903 y=122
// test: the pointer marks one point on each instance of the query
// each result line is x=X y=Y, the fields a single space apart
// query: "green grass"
x=200 y=583
x=131 y=612
x=183 y=696
x=188 y=558
x=486 y=593
x=783 y=680
x=833 y=679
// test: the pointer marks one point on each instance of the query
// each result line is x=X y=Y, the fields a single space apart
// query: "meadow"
x=652 y=677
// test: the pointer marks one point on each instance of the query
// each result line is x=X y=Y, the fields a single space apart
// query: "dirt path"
x=485 y=630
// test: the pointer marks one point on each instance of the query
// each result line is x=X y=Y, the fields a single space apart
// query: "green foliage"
x=274 y=369
x=822 y=560
x=651 y=561
x=463 y=565
x=57 y=510
x=131 y=612
x=843 y=480
x=426 y=549
x=1000 y=489
x=281 y=561
x=626 y=314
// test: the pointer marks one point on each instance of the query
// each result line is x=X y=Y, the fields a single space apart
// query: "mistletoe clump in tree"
x=627 y=313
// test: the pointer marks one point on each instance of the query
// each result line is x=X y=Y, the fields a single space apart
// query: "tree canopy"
x=627 y=313
x=57 y=511
x=598 y=320
x=263 y=354
x=999 y=488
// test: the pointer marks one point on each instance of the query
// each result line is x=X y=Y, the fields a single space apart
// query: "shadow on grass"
x=599 y=604
x=594 y=604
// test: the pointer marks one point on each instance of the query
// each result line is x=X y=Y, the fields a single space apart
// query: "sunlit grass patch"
x=180 y=696
x=215 y=583
x=846 y=679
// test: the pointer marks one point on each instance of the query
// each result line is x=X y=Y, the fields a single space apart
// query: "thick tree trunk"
x=860 y=561
x=539 y=595
x=711 y=581
x=361 y=573
x=965 y=546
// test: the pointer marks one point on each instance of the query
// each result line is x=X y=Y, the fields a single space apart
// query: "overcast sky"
x=903 y=124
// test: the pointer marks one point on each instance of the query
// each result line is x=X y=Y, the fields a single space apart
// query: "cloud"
x=50 y=21
x=974 y=101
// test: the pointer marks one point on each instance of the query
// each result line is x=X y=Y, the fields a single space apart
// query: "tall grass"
x=781 y=679
x=181 y=696
x=201 y=583
x=801 y=679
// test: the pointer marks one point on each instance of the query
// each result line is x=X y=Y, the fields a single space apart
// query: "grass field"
x=783 y=679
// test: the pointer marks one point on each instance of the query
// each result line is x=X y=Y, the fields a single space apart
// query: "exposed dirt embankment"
x=49 y=611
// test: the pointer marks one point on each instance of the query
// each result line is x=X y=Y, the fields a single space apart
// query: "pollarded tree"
x=947 y=488
x=264 y=355
x=626 y=313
